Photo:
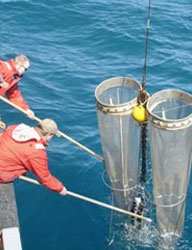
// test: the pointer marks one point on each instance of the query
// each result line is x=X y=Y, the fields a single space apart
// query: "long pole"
x=99 y=203
x=58 y=132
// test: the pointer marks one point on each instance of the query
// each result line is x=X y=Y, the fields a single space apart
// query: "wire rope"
x=142 y=99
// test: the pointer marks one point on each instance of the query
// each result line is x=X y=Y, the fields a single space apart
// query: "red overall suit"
x=21 y=150
x=9 y=74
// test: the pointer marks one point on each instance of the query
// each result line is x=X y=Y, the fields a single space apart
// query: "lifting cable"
x=146 y=47
x=143 y=99
x=59 y=133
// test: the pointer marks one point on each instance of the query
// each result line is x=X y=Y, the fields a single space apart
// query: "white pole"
x=99 y=203
x=58 y=132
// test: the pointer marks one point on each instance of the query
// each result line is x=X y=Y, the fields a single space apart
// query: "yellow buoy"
x=139 y=113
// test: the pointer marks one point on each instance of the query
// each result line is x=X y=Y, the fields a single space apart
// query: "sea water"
x=73 y=45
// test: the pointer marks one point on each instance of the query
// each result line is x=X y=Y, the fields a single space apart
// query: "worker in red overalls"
x=22 y=149
x=10 y=73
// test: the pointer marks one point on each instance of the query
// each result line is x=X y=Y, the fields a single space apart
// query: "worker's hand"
x=4 y=84
x=63 y=191
x=2 y=125
x=30 y=114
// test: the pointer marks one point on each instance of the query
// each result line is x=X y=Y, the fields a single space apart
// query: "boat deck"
x=9 y=224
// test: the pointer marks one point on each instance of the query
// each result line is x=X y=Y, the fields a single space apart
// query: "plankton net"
x=120 y=135
x=170 y=130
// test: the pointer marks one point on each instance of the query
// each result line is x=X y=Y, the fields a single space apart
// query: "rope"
x=146 y=47
x=59 y=133
x=171 y=109
x=99 y=203
x=143 y=99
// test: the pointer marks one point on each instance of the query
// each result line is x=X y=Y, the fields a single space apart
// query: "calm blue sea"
x=73 y=45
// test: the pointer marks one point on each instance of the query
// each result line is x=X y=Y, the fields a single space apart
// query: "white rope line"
x=165 y=110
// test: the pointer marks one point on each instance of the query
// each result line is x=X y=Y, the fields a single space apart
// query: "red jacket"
x=21 y=150
x=10 y=74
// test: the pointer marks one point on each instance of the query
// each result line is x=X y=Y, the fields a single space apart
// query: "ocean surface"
x=73 y=45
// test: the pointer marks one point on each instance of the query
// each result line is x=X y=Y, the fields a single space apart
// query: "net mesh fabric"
x=120 y=137
x=171 y=158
